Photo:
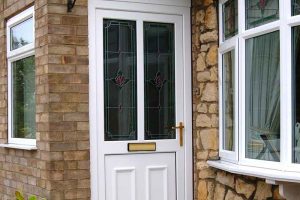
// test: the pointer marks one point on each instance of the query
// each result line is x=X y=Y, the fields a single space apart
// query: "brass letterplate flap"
x=142 y=146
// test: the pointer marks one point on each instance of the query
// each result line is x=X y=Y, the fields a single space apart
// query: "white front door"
x=140 y=92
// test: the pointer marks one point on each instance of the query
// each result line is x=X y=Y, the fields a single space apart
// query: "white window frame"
x=229 y=45
x=12 y=56
x=238 y=158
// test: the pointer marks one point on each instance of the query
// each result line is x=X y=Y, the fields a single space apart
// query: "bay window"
x=21 y=79
x=259 y=79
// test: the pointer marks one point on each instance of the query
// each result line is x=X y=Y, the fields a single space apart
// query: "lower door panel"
x=140 y=176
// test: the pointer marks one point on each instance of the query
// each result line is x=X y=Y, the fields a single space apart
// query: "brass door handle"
x=180 y=127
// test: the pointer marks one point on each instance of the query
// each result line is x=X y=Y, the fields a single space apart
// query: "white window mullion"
x=241 y=79
x=236 y=100
x=285 y=86
x=140 y=80
x=241 y=92
x=241 y=16
x=221 y=22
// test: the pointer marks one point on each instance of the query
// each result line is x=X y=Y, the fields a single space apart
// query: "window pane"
x=120 y=80
x=21 y=34
x=228 y=101
x=159 y=80
x=263 y=97
x=230 y=16
x=23 y=98
x=259 y=12
x=295 y=7
x=296 y=93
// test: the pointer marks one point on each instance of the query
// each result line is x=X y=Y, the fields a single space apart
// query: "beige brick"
x=61 y=50
x=83 y=126
x=76 y=155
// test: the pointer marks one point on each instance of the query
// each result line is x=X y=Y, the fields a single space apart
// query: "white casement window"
x=21 y=79
x=259 y=81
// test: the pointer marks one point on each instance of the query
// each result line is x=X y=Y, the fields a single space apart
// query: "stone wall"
x=211 y=183
x=59 y=169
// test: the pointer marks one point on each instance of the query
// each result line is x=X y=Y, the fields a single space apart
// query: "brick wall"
x=67 y=69
x=19 y=169
x=211 y=183
x=59 y=169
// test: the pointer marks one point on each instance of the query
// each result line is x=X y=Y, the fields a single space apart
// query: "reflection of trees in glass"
x=23 y=74
x=21 y=34
x=230 y=18
x=17 y=43
x=228 y=91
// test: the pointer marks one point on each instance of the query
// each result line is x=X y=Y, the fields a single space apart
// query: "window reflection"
x=21 y=34
x=228 y=100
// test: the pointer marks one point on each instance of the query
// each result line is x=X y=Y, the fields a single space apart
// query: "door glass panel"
x=259 y=12
x=159 y=67
x=120 y=80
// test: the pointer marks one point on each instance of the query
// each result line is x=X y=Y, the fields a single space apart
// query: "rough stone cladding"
x=211 y=183
x=59 y=169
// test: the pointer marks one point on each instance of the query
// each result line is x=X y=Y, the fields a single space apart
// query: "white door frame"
x=174 y=7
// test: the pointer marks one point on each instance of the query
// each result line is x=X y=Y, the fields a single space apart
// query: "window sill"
x=19 y=146
x=272 y=176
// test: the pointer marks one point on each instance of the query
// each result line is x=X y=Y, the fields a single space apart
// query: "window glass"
x=263 y=97
x=296 y=93
x=21 y=34
x=230 y=17
x=159 y=67
x=295 y=7
x=120 y=103
x=23 y=96
x=259 y=12
x=228 y=101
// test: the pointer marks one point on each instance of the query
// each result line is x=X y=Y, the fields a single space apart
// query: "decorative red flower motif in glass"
x=262 y=4
x=120 y=80
x=158 y=81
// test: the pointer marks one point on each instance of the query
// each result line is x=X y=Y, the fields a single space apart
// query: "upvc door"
x=140 y=105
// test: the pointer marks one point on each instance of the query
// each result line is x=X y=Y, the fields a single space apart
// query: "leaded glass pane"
x=159 y=67
x=296 y=93
x=23 y=98
x=120 y=100
x=21 y=34
x=259 y=12
x=228 y=101
x=230 y=17
x=263 y=97
x=295 y=7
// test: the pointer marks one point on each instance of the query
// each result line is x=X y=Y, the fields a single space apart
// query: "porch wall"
x=211 y=183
